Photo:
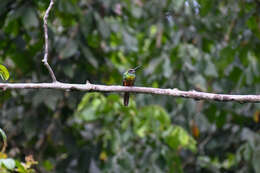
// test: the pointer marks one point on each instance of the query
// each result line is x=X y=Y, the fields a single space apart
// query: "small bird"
x=129 y=80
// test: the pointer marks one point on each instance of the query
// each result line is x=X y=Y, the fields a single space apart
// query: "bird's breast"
x=129 y=82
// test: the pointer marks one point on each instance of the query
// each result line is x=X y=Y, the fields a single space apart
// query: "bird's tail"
x=126 y=98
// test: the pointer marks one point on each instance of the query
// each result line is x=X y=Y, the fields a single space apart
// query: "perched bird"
x=129 y=80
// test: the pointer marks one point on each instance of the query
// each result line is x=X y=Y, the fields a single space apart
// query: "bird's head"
x=132 y=70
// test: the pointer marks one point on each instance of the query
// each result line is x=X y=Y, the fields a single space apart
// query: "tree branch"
x=45 y=58
x=145 y=90
x=104 y=88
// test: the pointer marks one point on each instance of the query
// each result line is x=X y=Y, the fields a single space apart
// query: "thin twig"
x=230 y=28
x=145 y=90
x=46 y=53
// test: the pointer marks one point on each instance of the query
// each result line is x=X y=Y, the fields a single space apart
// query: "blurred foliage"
x=123 y=130
x=8 y=165
x=207 y=45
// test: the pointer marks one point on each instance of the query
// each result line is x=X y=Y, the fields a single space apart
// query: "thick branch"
x=46 y=53
x=146 y=90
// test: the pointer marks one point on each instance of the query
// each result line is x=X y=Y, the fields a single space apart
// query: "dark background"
x=207 y=45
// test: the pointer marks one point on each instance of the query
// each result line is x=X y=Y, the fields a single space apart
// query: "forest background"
x=206 y=45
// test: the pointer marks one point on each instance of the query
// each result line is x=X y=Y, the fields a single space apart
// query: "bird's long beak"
x=137 y=67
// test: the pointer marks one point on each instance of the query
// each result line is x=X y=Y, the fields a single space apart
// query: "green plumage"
x=129 y=78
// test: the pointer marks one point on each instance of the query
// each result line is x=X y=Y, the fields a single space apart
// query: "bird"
x=129 y=80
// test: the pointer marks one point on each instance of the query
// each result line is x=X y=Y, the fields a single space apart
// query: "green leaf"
x=256 y=159
x=136 y=11
x=177 y=137
x=4 y=72
x=29 y=18
x=177 y=5
x=151 y=119
x=200 y=82
x=252 y=23
x=20 y=167
x=48 y=165
x=4 y=140
x=49 y=98
x=90 y=106
x=206 y=6
x=8 y=163
x=130 y=41
x=69 y=49
x=66 y=7
x=89 y=56
x=103 y=27
x=211 y=69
